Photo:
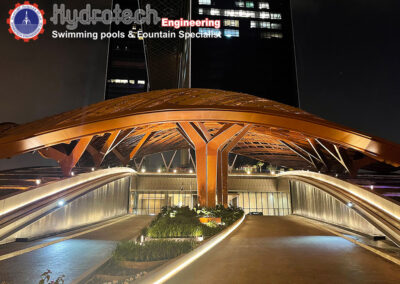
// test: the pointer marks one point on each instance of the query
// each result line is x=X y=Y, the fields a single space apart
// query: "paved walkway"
x=287 y=250
x=70 y=257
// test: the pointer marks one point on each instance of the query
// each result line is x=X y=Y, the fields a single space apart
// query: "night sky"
x=50 y=76
x=348 y=55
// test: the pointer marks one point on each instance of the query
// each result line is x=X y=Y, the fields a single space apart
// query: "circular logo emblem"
x=26 y=21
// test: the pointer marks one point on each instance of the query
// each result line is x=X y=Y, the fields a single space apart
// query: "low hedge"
x=177 y=227
x=152 y=250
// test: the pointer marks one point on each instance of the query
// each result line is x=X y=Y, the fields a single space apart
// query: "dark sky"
x=49 y=76
x=348 y=54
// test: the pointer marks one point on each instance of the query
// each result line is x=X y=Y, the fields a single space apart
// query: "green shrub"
x=151 y=250
x=177 y=227
x=211 y=231
x=181 y=222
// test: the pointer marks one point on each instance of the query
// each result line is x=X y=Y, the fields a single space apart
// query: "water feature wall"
x=99 y=204
x=312 y=202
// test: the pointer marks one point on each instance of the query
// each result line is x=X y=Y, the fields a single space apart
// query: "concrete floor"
x=70 y=257
x=287 y=250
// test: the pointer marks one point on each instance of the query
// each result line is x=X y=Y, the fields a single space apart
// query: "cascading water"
x=310 y=201
x=102 y=203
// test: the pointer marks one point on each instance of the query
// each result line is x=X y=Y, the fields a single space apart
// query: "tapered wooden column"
x=208 y=150
x=222 y=185
x=199 y=142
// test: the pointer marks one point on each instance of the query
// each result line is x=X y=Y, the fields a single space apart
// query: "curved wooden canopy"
x=146 y=123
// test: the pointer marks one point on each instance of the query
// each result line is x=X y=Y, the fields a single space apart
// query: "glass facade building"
x=255 y=53
x=126 y=72
x=150 y=192
x=270 y=203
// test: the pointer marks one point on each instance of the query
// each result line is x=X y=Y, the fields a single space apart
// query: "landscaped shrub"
x=180 y=222
x=151 y=250
x=211 y=231
x=178 y=226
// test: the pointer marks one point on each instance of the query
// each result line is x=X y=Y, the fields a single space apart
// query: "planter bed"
x=174 y=233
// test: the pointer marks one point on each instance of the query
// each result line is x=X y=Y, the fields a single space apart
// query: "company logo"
x=26 y=21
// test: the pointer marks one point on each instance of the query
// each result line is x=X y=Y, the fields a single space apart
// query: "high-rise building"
x=167 y=59
x=255 y=53
x=126 y=60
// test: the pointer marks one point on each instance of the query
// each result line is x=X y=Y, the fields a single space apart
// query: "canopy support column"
x=208 y=149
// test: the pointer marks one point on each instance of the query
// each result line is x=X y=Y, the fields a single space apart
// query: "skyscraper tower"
x=255 y=53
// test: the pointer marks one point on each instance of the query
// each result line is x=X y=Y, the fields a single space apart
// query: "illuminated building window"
x=263 y=25
x=231 y=23
x=210 y=31
x=239 y=4
x=271 y=35
x=264 y=15
x=205 y=2
x=276 y=26
x=231 y=33
x=239 y=13
x=247 y=14
x=263 y=5
x=230 y=13
x=249 y=4
x=276 y=16
x=118 y=81
x=141 y=82
x=132 y=82
x=215 y=12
